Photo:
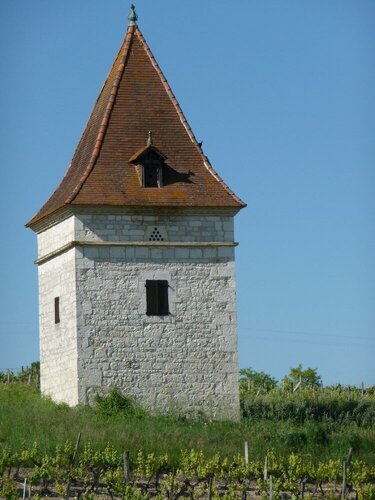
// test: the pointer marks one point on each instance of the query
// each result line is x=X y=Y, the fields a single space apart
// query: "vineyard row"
x=87 y=473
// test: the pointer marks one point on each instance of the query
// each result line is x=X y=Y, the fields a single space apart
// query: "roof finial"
x=132 y=16
x=149 y=138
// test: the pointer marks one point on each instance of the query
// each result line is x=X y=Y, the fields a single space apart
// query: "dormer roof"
x=144 y=152
x=135 y=99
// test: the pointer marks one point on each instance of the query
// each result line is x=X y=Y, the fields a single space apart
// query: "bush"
x=115 y=403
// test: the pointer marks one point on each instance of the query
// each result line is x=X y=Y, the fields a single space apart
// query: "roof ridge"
x=183 y=119
x=107 y=113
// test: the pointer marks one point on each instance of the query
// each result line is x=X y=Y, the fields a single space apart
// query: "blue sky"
x=281 y=93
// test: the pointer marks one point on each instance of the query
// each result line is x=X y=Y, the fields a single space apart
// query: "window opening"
x=152 y=173
x=151 y=176
x=157 y=298
x=156 y=235
x=57 y=310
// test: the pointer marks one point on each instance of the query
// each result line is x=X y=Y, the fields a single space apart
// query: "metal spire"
x=132 y=16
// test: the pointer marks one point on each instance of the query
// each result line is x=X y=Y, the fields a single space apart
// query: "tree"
x=253 y=382
x=308 y=377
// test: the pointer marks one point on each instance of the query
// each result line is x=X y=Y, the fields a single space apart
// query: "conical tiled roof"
x=134 y=100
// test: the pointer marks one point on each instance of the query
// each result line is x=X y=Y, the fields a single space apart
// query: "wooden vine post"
x=271 y=488
x=345 y=466
x=72 y=461
x=126 y=467
x=343 y=480
x=24 y=489
x=265 y=470
x=210 y=483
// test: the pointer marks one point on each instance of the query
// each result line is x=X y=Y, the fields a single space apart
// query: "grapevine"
x=99 y=472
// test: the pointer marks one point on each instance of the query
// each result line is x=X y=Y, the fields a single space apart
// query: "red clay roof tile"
x=135 y=99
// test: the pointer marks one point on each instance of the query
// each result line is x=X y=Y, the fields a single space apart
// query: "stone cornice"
x=69 y=210
x=186 y=244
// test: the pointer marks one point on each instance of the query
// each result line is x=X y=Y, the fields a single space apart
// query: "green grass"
x=26 y=417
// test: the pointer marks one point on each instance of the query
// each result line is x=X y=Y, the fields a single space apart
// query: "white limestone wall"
x=184 y=362
x=58 y=342
x=56 y=236
x=127 y=227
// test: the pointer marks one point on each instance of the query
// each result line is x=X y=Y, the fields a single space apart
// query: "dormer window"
x=149 y=162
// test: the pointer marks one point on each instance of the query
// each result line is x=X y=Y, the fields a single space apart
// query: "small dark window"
x=151 y=176
x=152 y=171
x=57 y=310
x=157 y=297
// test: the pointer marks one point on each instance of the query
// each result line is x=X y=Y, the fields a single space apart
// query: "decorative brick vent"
x=156 y=235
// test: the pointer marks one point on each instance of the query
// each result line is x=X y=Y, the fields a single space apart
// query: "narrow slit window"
x=57 y=310
x=157 y=298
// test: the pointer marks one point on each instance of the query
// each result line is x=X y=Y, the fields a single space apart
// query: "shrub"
x=115 y=403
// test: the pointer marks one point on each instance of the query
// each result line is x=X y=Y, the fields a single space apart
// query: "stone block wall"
x=128 y=227
x=184 y=362
x=58 y=342
x=56 y=236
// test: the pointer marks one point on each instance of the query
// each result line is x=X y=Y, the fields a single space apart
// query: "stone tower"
x=136 y=255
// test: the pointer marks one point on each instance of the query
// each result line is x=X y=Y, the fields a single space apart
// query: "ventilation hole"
x=155 y=235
